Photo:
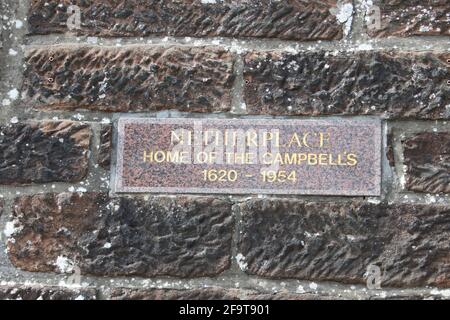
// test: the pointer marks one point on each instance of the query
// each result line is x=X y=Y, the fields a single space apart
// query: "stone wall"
x=65 y=235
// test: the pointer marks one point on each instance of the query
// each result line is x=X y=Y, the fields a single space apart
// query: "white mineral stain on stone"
x=14 y=120
x=78 y=116
x=92 y=40
x=313 y=286
x=64 y=264
x=12 y=52
x=13 y=94
x=300 y=289
x=6 y=102
x=11 y=229
x=107 y=245
x=444 y=293
x=19 y=24
x=344 y=15
x=366 y=4
x=309 y=235
x=237 y=47
x=364 y=47
x=403 y=177
x=430 y=199
x=241 y=261
x=64 y=230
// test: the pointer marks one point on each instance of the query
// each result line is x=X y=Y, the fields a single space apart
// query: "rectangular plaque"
x=309 y=157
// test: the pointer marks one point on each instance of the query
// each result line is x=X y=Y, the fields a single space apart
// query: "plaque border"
x=118 y=170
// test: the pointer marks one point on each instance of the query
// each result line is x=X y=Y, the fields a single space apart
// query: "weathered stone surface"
x=184 y=236
x=132 y=78
x=390 y=155
x=325 y=241
x=409 y=296
x=40 y=152
x=390 y=84
x=169 y=294
x=45 y=293
x=1 y=27
x=291 y=296
x=427 y=162
x=213 y=293
x=288 y=19
x=404 y=18
x=104 y=151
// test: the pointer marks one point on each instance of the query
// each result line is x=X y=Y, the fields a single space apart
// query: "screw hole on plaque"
x=247 y=82
x=448 y=82
x=50 y=80
x=51 y=59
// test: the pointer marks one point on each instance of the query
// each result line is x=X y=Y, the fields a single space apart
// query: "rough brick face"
x=288 y=19
x=324 y=241
x=67 y=87
x=104 y=152
x=39 y=152
x=206 y=294
x=389 y=84
x=390 y=155
x=183 y=237
x=427 y=162
x=161 y=294
x=133 y=78
x=45 y=293
x=404 y=18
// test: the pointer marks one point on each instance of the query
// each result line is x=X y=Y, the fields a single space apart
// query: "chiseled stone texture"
x=405 y=18
x=131 y=78
x=213 y=293
x=326 y=241
x=40 y=152
x=172 y=294
x=291 y=296
x=409 y=296
x=45 y=293
x=287 y=19
x=427 y=162
x=390 y=154
x=104 y=151
x=390 y=84
x=154 y=236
